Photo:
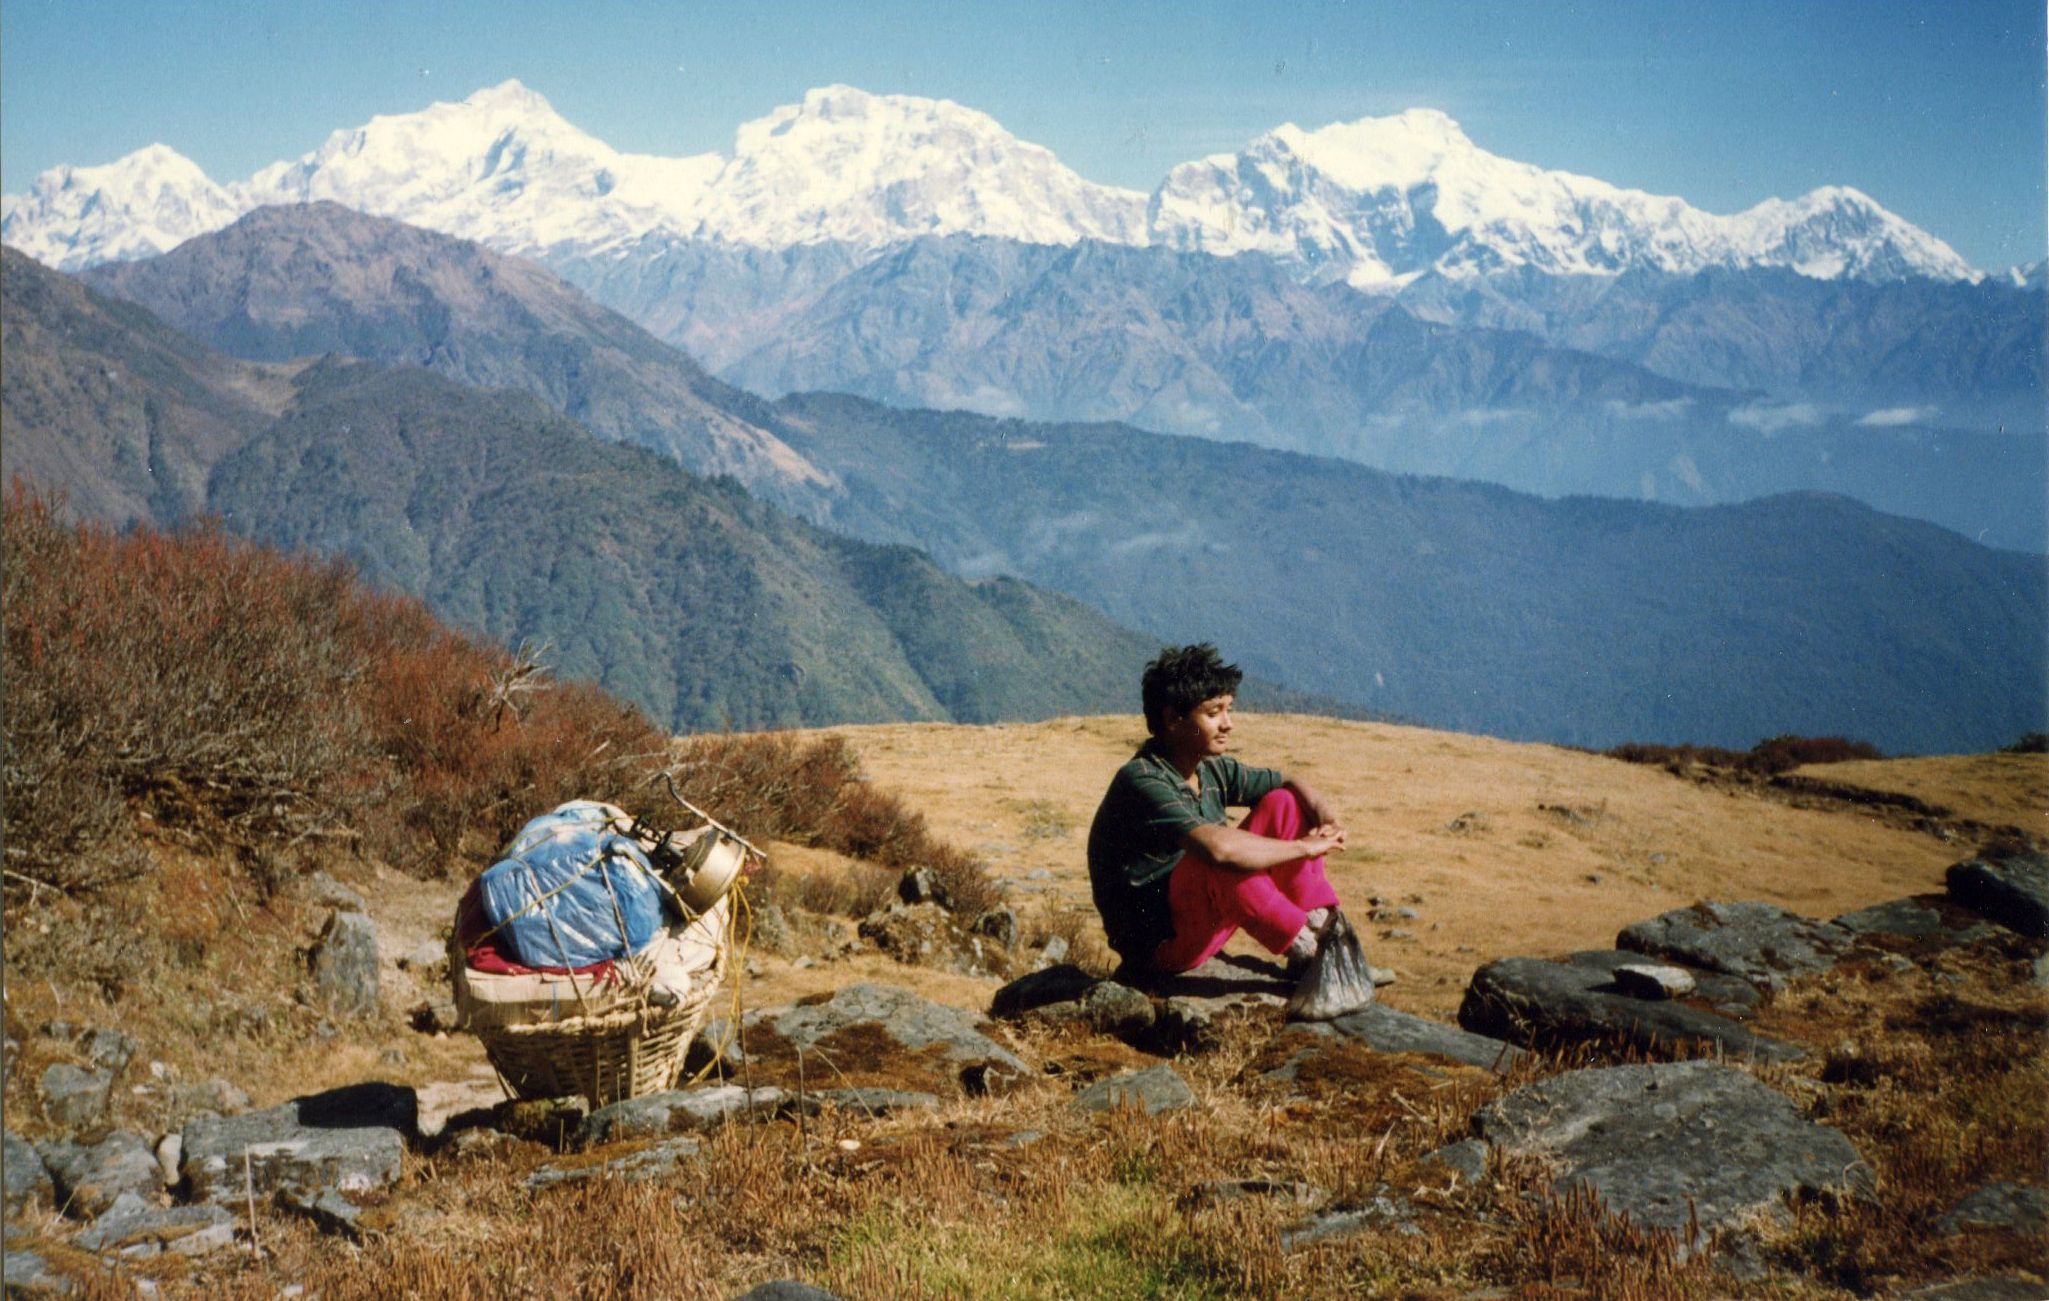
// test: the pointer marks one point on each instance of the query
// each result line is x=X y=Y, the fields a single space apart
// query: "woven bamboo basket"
x=616 y=1045
x=624 y=1054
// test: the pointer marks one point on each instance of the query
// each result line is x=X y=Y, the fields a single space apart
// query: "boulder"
x=1758 y=942
x=1385 y=1030
x=28 y=1181
x=867 y=1034
x=349 y=1139
x=27 y=1274
x=1153 y=1090
x=1687 y=1147
x=1922 y=922
x=651 y=1162
x=2021 y=1208
x=76 y=1098
x=2012 y=889
x=135 y=1230
x=345 y=965
x=1549 y=1004
x=90 y=1178
x=656 y=1114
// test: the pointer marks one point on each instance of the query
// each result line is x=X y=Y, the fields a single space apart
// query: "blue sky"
x=1937 y=110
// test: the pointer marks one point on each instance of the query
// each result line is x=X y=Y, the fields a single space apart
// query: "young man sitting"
x=1172 y=879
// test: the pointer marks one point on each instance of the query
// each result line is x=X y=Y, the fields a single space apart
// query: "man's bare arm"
x=1243 y=851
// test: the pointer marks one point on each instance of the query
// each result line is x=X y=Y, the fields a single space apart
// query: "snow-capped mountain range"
x=1377 y=202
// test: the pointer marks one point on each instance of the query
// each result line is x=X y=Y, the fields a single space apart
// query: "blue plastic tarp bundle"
x=571 y=891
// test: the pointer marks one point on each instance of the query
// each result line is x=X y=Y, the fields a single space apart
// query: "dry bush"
x=811 y=792
x=1768 y=757
x=256 y=700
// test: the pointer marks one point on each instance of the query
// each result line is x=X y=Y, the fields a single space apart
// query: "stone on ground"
x=651 y=1162
x=2022 y=1208
x=1537 y=1003
x=1666 y=1143
x=878 y=1035
x=136 y=1230
x=28 y=1181
x=349 y=1139
x=345 y=965
x=74 y=1097
x=1385 y=1030
x=1153 y=1090
x=91 y=1178
x=1923 y=922
x=674 y=1110
x=2012 y=890
x=1759 y=942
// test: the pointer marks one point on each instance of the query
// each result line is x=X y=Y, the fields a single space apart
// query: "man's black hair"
x=1182 y=677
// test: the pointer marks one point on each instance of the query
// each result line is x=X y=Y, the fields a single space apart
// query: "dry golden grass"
x=1995 y=789
x=1493 y=843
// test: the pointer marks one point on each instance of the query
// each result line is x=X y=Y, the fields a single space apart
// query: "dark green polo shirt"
x=1135 y=840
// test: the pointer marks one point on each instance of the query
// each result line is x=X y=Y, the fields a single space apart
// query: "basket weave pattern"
x=624 y=1047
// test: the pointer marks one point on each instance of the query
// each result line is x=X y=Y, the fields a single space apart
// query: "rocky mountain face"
x=913 y=251
x=305 y=280
x=702 y=605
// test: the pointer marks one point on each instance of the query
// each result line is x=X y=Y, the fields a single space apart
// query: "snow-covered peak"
x=1381 y=201
x=848 y=166
x=136 y=206
x=502 y=167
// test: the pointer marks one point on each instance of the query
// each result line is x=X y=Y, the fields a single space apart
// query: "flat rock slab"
x=2012 y=890
x=74 y=1097
x=1547 y=1004
x=1153 y=1090
x=1922 y=922
x=1730 y=996
x=651 y=1162
x=135 y=1230
x=1758 y=942
x=671 y=1111
x=2021 y=1208
x=349 y=1140
x=1663 y=1144
x=28 y=1180
x=27 y=1274
x=1385 y=1030
x=878 y=1036
x=90 y=1178
x=1653 y=980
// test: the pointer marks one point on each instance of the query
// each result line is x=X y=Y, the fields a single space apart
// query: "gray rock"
x=1654 y=981
x=1729 y=995
x=1057 y=984
x=784 y=1290
x=1979 y=1289
x=652 y=1162
x=27 y=1274
x=90 y=1178
x=2012 y=890
x=999 y=924
x=109 y=1050
x=1385 y=1030
x=876 y=1102
x=329 y=1211
x=2022 y=1208
x=216 y=1095
x=1109 y=1008
x=345 y=965
x=922 y=885
x=1925 y=921
x=1668 y=1143
x=655 y=1114
x=1758 y=942
x=919 y=1027
x=323 y=891
x=1466 y=1158
x=349 y=1139
x=76 y=1098
x=1054 y=950
x=1548 y=1004
x=1383 y=1211
x=28 y=1181
x=135 y=1230
x=772 y=932
x=1154 y=1090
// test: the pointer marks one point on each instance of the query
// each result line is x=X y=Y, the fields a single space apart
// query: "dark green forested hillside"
x=684 y=594
x=1582 y=620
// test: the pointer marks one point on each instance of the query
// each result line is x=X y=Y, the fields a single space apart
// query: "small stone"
x=345 y=965
x=1381 y=976
x=27 y=1274
x=922 y=885
x=110 y=1050
x=2021 y=1208
x=169 y=1149
x=134 y=1229
x=999 y=924
x=1467 y=1159
x=27 y=1179
x=1407 y=914
x=1153 y=1090
x=1397 y=933
x=329 y=1211
x=1054 y=950
x=90 y=1179
x=75 y=1098
x=1653 y=981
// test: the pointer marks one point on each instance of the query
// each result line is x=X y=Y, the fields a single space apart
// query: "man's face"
x=1204 y=731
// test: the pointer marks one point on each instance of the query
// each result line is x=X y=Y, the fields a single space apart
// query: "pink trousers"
x=1210 y=903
